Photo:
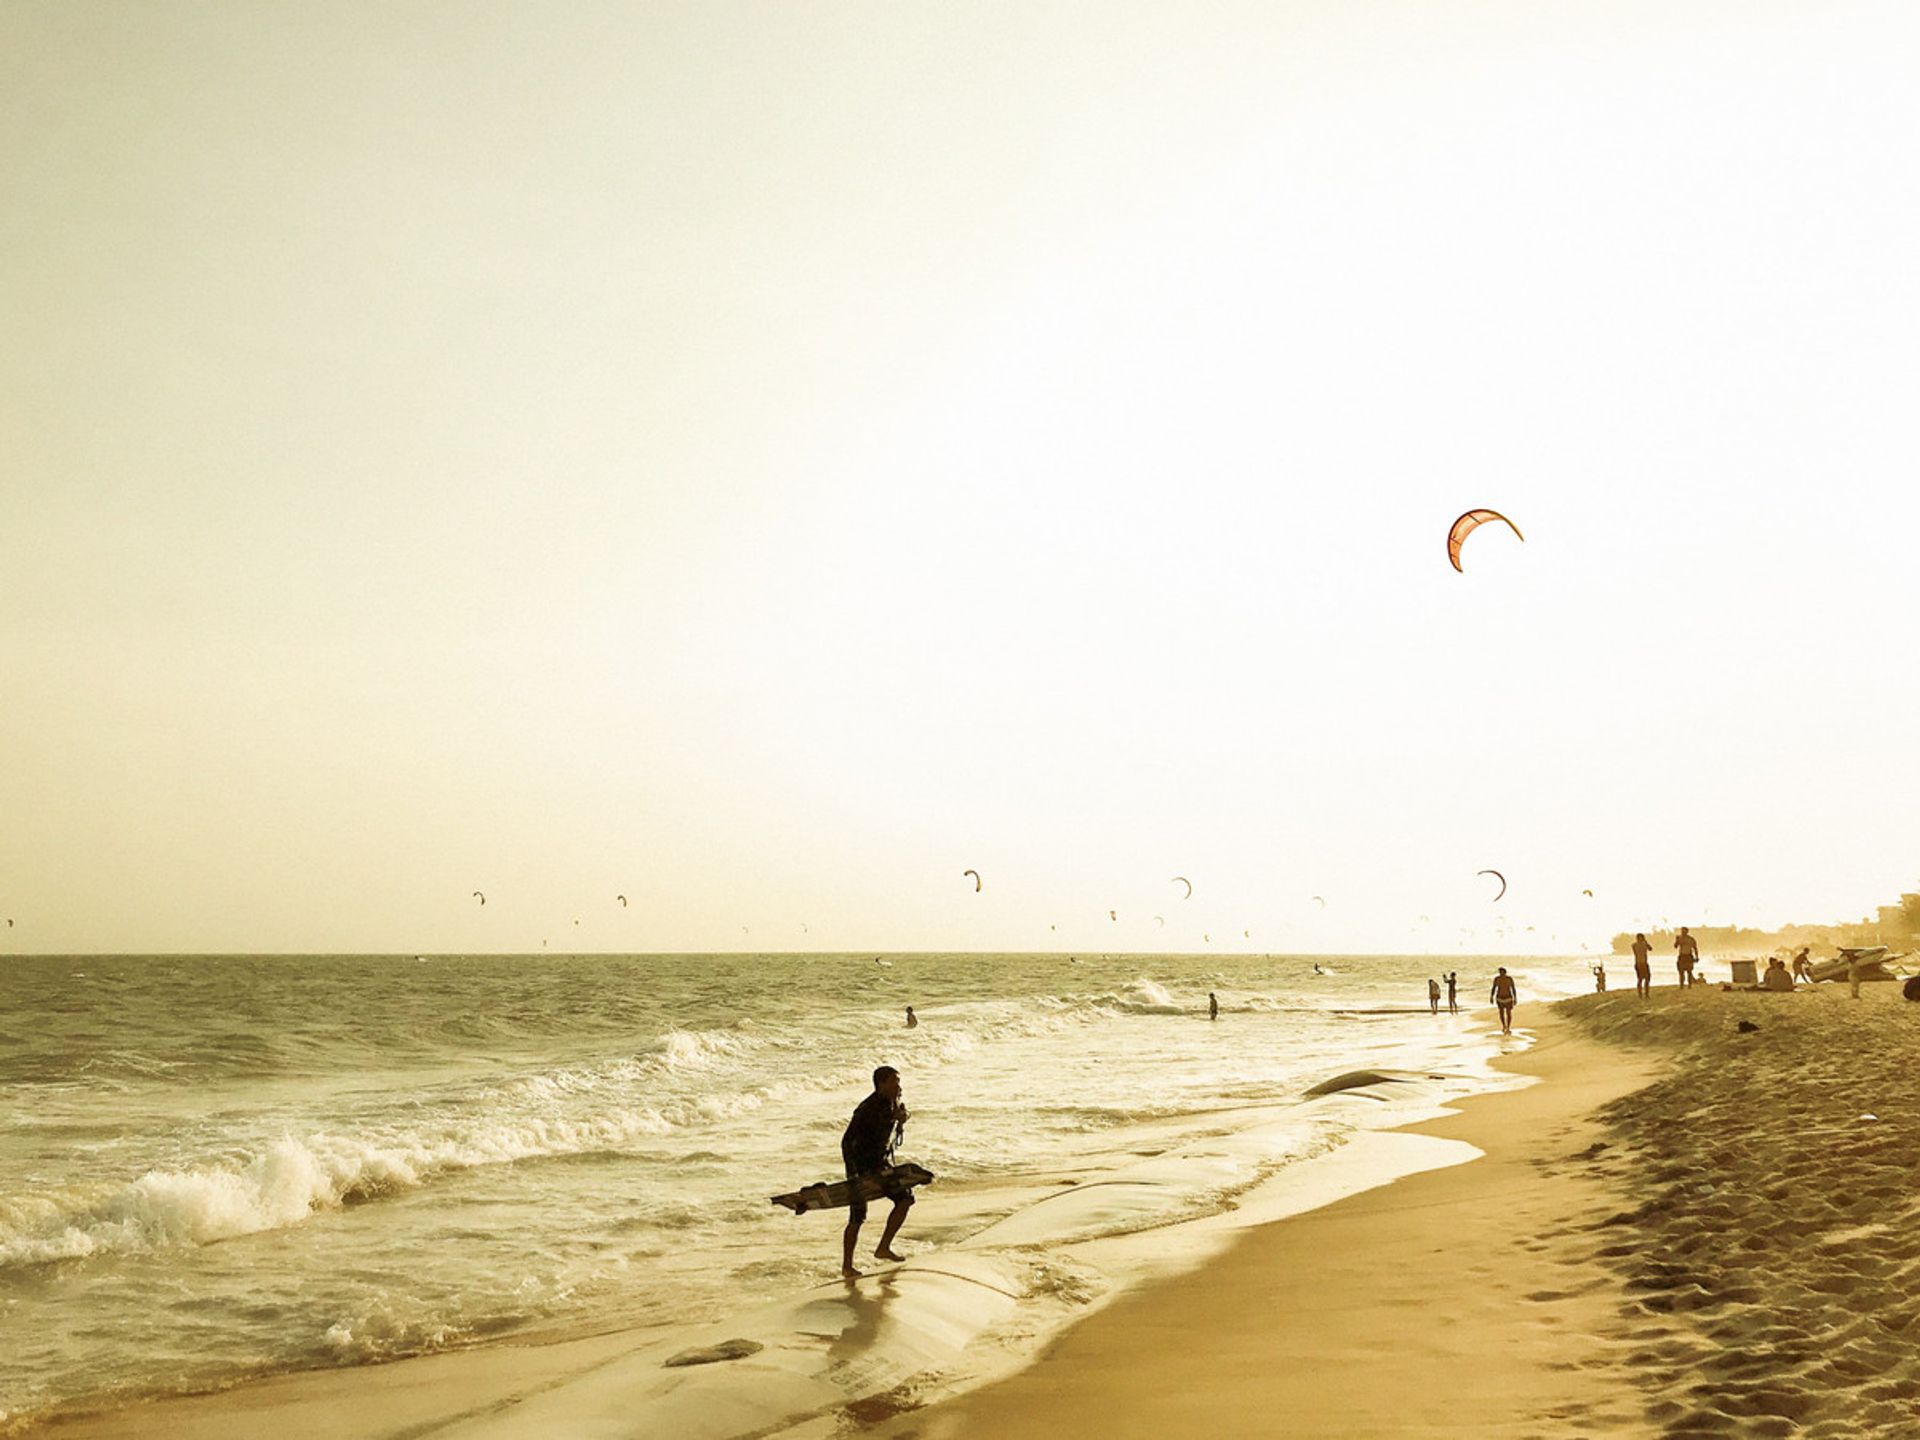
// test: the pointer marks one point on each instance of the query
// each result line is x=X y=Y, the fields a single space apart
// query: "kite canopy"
x=623 y=901
x=1498 y=876
x=478 y=896
x=977 y=884
x=1467 y=524
x=1182 y=880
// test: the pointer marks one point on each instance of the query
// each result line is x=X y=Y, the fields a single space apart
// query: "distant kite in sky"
x=1587 y=893
x=1467 y=524
x=1321 y=901
x=1160 y=922
x=977 y=883
x=1182 y=880
x=478 y=896
x=623 y=901
x=1498 y=876
x=1111 y=915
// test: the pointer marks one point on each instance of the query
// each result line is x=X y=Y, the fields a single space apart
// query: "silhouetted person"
x=1600 y=977
x=1453 y=992
x=1503 y=994
x=1802 y=967
x=1642 y=966
x=1433 y=995
x=1213 y=1006
x=1686 y=953
x=913 y=1020
x=865 y=1148
x=1777 y=976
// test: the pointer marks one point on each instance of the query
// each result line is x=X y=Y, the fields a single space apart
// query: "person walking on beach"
x=1504 y=995
x=1433 y=995
x=1686 y=951
x=865 y=1148
x=1802 y=967
x=1642 y=966
x=1453 y=992
x=1213 y=1006
x=1600 y=977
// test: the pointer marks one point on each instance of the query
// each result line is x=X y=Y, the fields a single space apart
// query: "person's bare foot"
x=847 y=1272
x=886 y=1254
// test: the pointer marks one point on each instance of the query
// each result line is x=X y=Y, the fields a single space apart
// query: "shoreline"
x=1389 y=1312
x=941 y=1303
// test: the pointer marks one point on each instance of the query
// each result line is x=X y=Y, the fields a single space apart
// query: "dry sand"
x=1686 y=1230
x=1771 y=1256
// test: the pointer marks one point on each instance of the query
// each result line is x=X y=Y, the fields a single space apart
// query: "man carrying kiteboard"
x=869 y=1139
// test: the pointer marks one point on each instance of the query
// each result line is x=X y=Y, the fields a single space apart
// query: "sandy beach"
x=1683 y=1228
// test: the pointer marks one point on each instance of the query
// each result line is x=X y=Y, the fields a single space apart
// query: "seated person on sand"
x=1776 y=977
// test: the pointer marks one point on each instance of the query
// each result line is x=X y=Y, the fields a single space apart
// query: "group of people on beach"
x=1686 y=960
x=1504 y=995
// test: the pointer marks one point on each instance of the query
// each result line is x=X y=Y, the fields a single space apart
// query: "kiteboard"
x=838 y=1194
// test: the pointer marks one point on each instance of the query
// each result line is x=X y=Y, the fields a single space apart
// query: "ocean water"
x=223 y=1167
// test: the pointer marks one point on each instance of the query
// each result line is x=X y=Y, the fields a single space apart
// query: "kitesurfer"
x=1453 y=992
x=866 y=1148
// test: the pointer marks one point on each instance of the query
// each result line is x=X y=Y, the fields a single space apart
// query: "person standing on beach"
x=1503 y=996
x=1213 y=1006
x=1453 y=992
x=1686 y=950
x=1802 y=967
x=913 y=1020
x=1433 y=995
x=865 y=1148
x=1642 y=966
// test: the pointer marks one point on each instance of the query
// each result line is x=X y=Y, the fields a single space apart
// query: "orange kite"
x=1467 y=524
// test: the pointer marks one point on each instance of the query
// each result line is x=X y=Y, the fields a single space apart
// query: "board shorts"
x=901 y=1195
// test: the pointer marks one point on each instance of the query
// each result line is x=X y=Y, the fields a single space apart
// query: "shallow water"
x=219 y=1167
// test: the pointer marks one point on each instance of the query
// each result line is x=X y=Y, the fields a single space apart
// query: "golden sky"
x=766 y=459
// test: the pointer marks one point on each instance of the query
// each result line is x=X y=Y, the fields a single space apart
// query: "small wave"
x=676 y=1050
x=1144 y=997
x=283 y=1185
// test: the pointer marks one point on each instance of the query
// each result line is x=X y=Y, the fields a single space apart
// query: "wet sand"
x=1457 y=1302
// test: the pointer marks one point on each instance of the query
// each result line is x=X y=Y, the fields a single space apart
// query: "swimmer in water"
x=913 y=1020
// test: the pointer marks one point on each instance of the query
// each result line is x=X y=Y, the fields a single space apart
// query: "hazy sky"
x=766 y=459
